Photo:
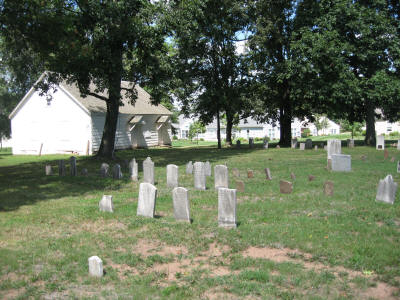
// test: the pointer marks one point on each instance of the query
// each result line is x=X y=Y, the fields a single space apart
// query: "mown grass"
x=51 y=225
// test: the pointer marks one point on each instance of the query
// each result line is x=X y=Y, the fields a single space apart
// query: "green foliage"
x=354 y=127
x=321 y=122
x=195 y=129
x=305 y=133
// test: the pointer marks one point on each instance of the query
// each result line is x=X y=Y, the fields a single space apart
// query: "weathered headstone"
x=363 y=157
x=95 y=266
x=285 y=187
x=293 y=176
x=387 y=190
x=294 y=143
x=61 y=167
x=392 y=159
x=250 y=174
x=329 y=164
x=207 y=168
x=308 y=144
x=398 y=144
x=227 y=208
x=341 y=162
x=315 y=147
x=236 y=172
x=240 y=186
x=72 y=162
x=117 y=174
x=350 y=143
x=84 y=172
x=104 y=170
x=126 y=163
x=199 y=176
x=326 y=147
x=251 y=142
x=302 y=146
x=181 y=204
x=398 y=167
x=48 y=170
x=311 y=177
x=148 y=170
x=221 y=176
x=328 y=188
x=265 y=143
x=133 y=170
x=172 y=176
x=147 y=200
x=278 y=147
x=106 y=203
x=385 y=154
x=380 y=142
x=238 y=144
x=189 y=168
x=267 y=174
x=334 y=147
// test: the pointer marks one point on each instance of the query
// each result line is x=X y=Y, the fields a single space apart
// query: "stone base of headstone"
x=106 y=203
x=95 y=266
x=250 y=174
x=328 y=188
x=387 y=190
x=285 y=187
x=341 y=163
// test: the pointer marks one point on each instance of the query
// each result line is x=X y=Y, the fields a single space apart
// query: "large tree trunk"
x=370 y=135
x=218 y=131
x=285 y=119
x=229 y=125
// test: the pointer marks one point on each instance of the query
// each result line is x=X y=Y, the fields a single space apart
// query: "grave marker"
x=265 y=143
x=285 y=187
x=311 y=177
x=302 y=146
x=238 y=144
x=250 y=174
x=207 y=168
x=133 y=170
x=104 y=170
x=48 y=170
x=267 y=174
x=308 y=144
x=147 y=200
x=386 y=190
x=398 y=167
x=235 y=172
x=398 y=144
x=380 y=142
x=95 y=266
x=106 y=203
x=73 y=170
x=294 y=143
x=172 y=176
x=148 y=171
x=84 y=172
x=328 y=188
x=221 y=177
x=293 y=176
x=189 y=168
x=240 y=186
x=334 y=147
x=385 y=154
x=251 y=142
x=61 y=168
x=117 y=174
x=350 y=143
x=181 y=204
x=341 y=163
x=199 y=176
x=227 y=208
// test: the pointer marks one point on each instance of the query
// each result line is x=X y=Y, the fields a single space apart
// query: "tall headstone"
x=147 y=200
x=227 y=208
x=302 y=146
x=398 y=144
x=117 y=174
x=199 y=176
x=341 y=162
x=380 y=142
x=285 y=187
x=278 y=147
x=48 y=170
x=172 y=176
x=265 y=143
x=328 y=188
x=240 y=186
x=398 y=167
x=189 y=168
x=221 y=177
x=72 y=162
x=316 y=147
x=238 y=144
x=308 y=144
x=133 y=170
x=181 y=204
x=267 y=174
x=207 y=168
x=106 y=203
x=61 y=167
x=251 y=142
x=334 y=147
x=350 y=143
x=387 y=190
x=95 y=266
x=148 y=171
x=294 y=143
x=104 y=170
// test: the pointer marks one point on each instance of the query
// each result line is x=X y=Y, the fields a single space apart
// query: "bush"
x=175 y=137
x=242 y=140
x=363 y=133
x=306 y=132
x=201 y=139
x=394 y=133
x=258 y=139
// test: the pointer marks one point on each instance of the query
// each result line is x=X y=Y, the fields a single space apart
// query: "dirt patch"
x=147 y=248
x=12 y=293
x=122 y=269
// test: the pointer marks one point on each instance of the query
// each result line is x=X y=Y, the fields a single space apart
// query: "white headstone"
x=221 y=177
x=294 y=143
x=350 y=143
x=302 y=146
x=207 y=167
x=172 y=176
x=199 y=176
x=95 y=266
x=147 y=200
x=227 y=207
x=104 y=170
x=334 y=147
x=48 y=170
x=341 y=162
x=189 y=168
x=387 y=190
x=181 y=204
x=106 y=203
x=380 y=142
x=148 y=171
x=133 y=170
x=398 y=167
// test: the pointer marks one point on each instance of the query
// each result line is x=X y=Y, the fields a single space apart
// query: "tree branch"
x=98 y=96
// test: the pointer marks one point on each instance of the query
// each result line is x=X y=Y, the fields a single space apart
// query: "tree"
x=85 y=42
x=321 y=122
x=211 y=73
x=195 y=129
x=354 y=127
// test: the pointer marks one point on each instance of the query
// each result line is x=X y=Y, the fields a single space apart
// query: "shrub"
x=175 y=137
x=306 y=132
x=258 y=139
x=394 y=133
x=201 y=139
x=363 y=133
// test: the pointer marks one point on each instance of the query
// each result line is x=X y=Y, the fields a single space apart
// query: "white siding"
x=61 y=125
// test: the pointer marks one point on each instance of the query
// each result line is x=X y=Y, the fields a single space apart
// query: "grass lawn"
x=304 y=245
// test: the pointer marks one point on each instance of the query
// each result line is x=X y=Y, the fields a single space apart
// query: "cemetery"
x=202 y=223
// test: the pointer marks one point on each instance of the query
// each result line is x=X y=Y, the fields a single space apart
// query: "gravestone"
x=392 y=159
x=398 y=144
x=329 y=164
x=315 y=147
x=385 y=154
x=363 y=157
x=199 y=176
x=61 y=167
x=95 y=266
x=250 y=174
x=240 y=186
x=302 y=146
x=267 y=174
x=380 y=142
x=311 y=177
x=48 y=170
x=386 y=190
x=104 y=170
x=285 y=187
x=328 y=188
x=398 y=167
x=308 y=144
x=227 y=208
x=84 y=172
x=148 y=171
x=72 y=162
x=350 y=143
x=172 y=176
x=236 y=172
x=147 y=200
x=293 y=176
x=294 y=143
x=251 y=142
x=117 y=174
x=278 y=147
x=126 y=163
x=189 y=168
x=221 y=177
x=325 y=147
x=133 y=170
x=265 y=143
x=181 y=204
x=207 y=168
x=334 y=147
x=341 y=163
x=238 y=144
x=106 y=203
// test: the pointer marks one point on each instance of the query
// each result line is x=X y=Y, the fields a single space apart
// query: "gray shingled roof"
x=142 y=105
